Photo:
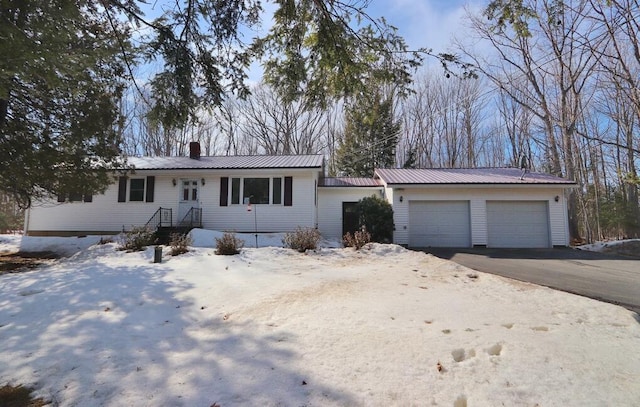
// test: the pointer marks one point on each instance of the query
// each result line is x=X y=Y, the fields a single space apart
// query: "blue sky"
x=426 y=23
x=423 y=23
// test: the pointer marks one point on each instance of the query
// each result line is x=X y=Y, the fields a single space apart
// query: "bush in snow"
x=357 y=240
x=302 y=239
x=105 y=240
x=228 y=244
x=137 y=239
x=179 y=243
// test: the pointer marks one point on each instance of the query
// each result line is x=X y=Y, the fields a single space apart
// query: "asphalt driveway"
x=604 y=277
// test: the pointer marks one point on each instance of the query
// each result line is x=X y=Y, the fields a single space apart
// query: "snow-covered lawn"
x=383 y=326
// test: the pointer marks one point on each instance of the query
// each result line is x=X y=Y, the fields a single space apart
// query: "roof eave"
x=481 y=184
x=352 y=186
x=319 y=168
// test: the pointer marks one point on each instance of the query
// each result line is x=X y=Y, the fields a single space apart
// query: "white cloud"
x=429 y=24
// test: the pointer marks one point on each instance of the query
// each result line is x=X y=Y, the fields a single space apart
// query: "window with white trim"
x=260 y=190
x=136 y=190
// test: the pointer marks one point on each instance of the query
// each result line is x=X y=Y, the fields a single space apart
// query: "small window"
x=257 y=189
x=136 y=190
x=189 y=191
x=185 y=190
x=277 y=191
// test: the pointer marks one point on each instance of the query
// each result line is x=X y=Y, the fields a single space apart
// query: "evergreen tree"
x=370 y=137
x=376 y=217
x=59 y=89
x=65 y=63
x=11 y=216
x=410 y=161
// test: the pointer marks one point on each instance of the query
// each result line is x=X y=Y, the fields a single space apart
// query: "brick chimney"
x=194 y=150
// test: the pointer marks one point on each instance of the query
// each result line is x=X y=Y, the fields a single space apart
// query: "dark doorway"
x=349 y=217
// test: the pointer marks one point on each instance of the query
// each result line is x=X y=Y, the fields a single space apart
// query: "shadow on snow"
x=89 y=333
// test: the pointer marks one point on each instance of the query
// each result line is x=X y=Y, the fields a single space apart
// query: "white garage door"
x=439 y=224
x=518 y=224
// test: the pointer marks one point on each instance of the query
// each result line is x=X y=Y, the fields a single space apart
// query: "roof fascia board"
x=483 y=185
x=225 y=171
x=351 y=186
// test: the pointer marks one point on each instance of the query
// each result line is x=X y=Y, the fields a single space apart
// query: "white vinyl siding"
x=439 y=224
x=330 y=201
x=107 y=215
x=323 y=210
x=514 y=224
x=268 y=218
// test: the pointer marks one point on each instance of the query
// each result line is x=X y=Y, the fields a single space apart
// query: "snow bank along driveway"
x=273 y=327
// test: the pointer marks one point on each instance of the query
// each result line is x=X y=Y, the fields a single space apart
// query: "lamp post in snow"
x=247 y=201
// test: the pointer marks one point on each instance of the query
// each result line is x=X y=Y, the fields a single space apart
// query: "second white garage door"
x=518 y=224
x=439 y=224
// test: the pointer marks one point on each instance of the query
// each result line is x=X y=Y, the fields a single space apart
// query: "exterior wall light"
x=173 y=181
x=401 y=198
x=202 y=181
x=557 y=198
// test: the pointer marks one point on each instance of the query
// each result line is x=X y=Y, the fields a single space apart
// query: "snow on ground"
x=63 y=246
x=335 y=327
x=629 y=247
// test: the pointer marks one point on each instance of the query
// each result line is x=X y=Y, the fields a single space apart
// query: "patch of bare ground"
x=628 y=248
x=19 y=396
x=24 y=261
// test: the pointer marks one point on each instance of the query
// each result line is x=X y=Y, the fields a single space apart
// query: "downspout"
x=315 y=221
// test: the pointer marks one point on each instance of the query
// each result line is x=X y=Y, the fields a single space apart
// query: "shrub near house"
x=376 y=217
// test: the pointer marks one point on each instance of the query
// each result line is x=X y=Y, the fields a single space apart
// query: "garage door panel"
x=518 y=224
x=439 y=224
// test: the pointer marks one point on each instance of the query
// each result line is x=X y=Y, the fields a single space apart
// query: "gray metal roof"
x=227 y=162
x=349 y=182
x=401 y=176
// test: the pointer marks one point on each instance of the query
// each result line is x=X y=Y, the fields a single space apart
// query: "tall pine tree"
x=370 y=137
x=60 y=84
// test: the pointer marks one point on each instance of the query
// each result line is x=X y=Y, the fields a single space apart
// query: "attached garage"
x=439 y=224
x=477 y=207
x=512 y=224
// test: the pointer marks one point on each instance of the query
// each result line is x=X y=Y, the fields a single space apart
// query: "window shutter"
x=151 y=183
x=122 y=189
x=288 y=191
x=224 y=191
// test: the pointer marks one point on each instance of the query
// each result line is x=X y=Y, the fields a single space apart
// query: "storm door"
x=189 y=197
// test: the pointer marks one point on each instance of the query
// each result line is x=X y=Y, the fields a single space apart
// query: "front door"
x=350 y=218
x=189 y=198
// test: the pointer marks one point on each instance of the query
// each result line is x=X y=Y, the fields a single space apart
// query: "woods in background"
x=554 y=84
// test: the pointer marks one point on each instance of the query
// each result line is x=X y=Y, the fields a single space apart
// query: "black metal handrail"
x=193 y=218
x=162 y=218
